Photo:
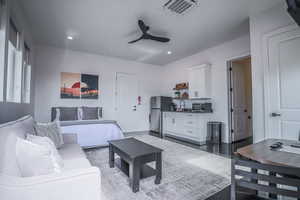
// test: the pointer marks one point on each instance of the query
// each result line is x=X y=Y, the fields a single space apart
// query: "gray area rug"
x=188 y=174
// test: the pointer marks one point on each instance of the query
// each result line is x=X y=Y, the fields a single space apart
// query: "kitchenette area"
x=185 y=115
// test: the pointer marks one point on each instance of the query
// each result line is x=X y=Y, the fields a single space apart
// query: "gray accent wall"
x=12 y=111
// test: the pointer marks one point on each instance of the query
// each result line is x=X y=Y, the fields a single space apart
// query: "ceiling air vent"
x=180 y=6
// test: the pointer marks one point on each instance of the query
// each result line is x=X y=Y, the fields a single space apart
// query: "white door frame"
x=266 y=68
x=116 y=91
x=229 y=61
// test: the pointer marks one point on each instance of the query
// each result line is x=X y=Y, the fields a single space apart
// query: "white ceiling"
x=105 y=26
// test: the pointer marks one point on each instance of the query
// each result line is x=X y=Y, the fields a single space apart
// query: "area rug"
x=188 y=174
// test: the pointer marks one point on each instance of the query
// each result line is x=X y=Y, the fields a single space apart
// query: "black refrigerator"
x=157 y=106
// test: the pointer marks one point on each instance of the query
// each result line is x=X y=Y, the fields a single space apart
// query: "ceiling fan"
x=147 y=36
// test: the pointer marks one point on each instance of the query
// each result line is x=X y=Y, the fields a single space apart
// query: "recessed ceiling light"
x=169 y=52
x=70 y=37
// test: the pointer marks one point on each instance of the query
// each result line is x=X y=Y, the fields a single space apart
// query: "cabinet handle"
x=190 y=131
x=190 y=122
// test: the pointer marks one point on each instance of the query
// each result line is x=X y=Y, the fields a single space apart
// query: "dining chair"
x=270 y=179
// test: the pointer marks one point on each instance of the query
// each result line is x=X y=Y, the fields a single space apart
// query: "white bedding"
x=92 y=135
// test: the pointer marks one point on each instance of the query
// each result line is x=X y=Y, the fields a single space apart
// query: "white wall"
x=217 y=56
x=50 y=62
x=160 y=81
x=261 y=24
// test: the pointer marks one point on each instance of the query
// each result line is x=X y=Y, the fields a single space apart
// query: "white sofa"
x=78 y=181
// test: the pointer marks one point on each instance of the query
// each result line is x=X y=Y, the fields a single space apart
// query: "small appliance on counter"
x=173 y=107
x=202 y=107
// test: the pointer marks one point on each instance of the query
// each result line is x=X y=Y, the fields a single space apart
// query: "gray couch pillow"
x=51 y=130
x=91 y=113
x=68 y=113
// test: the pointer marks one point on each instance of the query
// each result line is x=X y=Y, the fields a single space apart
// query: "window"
x=14 y=66
x=26 y=74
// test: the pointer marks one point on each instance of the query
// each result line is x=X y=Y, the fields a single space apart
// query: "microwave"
x=202 y=107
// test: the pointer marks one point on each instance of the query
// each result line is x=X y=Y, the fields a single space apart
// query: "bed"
x=91 y=130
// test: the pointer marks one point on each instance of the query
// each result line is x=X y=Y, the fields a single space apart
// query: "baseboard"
x=185 y=139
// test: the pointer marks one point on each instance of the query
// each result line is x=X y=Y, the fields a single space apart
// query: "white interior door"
x=241 y=110
x=126 y=101
x=283 y=77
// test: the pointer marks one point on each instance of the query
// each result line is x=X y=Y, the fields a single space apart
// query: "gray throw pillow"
x=68 y=113
x=91 y=113
x=51 y=130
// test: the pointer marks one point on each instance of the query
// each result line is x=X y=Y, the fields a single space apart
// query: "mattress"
x=94 y=134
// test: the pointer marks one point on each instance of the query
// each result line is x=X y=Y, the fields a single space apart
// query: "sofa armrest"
x=79 y=184
x=70 y=138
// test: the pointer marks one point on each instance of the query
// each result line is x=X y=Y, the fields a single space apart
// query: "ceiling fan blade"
x=143 y=26
x=134 y=41
x=159 y=39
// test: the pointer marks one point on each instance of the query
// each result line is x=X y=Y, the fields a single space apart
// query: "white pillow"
x=47 y=142
x=34 y=159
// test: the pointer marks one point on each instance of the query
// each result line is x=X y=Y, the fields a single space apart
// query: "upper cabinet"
x=200 y=82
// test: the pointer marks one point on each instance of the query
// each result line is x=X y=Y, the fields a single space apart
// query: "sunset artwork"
x=89 y=87
x=76 y=86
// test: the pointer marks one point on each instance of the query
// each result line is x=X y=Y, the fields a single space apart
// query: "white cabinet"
x=200 y=82
x=191 y=126
x=169 y=122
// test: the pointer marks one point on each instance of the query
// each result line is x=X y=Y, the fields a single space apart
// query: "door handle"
x=275 y=114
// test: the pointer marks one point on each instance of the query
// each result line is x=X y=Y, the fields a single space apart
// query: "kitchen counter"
x=201 y=112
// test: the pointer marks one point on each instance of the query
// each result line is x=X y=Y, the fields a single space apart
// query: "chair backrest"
x=275 y=180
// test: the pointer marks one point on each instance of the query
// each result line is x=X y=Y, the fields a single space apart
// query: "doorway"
x=126 y=101
x=240 y=99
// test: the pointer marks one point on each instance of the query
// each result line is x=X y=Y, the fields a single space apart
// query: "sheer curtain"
x=14 y=67
x=14 y=74
x=26 y=75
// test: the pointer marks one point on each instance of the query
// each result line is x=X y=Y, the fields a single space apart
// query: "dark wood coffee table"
x=134 y=156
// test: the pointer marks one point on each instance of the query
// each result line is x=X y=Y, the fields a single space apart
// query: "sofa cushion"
x=8 y=137
x=78 y=163
x=68 y=113
x=73 y=157
x=71 y=151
